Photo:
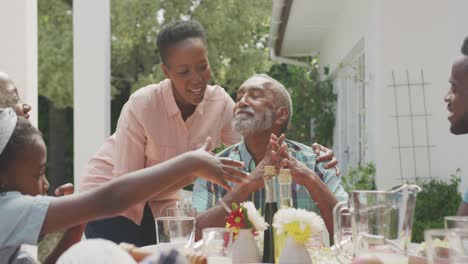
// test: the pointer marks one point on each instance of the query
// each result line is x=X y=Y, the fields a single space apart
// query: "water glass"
x=447 y=245
x=181 y=211
x=217 y=245
x=451 y=222
x=343 y=237
x=175 y=230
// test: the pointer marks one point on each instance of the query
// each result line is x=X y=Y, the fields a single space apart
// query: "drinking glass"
x=451 y=222
x=447 y=245
x=217 y=245
x=178 y=231
x=343 y=237
x=181 y=211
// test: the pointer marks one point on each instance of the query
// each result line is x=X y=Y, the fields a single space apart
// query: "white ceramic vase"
x=294 y=252
x=244 y=248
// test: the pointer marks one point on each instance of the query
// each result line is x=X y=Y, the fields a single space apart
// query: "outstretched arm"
x=119 y=194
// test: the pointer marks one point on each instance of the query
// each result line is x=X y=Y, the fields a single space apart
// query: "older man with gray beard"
x=261 y=115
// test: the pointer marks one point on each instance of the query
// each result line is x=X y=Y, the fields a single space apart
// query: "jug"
x=380 y=223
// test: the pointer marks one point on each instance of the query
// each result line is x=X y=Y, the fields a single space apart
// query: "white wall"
x=91 y=88
x=18 y=48
x=413 y=42
x=402 y=35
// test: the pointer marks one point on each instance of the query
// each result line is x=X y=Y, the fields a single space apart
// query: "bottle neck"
x=270 y=190
x=285 y=193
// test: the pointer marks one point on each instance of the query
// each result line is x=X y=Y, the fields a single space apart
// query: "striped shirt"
x=206 y=194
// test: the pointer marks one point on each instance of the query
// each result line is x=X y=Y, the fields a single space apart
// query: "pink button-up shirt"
x=151 y=130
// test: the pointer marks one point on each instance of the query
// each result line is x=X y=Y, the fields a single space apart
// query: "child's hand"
x=65 y=189
x=219 y=170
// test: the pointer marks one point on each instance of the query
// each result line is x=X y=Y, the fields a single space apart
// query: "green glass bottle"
x=271 y=207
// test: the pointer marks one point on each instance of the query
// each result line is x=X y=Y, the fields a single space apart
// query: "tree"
x=236 y=30
x=56 y=84
x=314 y=103
x=56 y=52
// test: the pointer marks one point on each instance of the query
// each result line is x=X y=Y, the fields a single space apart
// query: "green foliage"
x=237 y=35
x=55 y=52
x=236 y=38
x=436 y=200
x=44 y=125
x=133 y=58
x=236 y=41
x=55 y=87
x=361 y=177
x=313 y=98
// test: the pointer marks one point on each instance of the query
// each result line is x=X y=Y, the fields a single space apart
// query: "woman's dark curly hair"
x=177 y=31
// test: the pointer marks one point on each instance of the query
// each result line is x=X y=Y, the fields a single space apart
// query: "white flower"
x=254 y=217
x=300 y=216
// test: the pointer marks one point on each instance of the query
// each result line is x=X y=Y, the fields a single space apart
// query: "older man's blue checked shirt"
x=206 y=194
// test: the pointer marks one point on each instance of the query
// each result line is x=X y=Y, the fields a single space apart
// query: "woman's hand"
x=218 y=170
x=328 y=155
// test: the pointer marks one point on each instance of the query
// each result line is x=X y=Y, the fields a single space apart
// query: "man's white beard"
x=245 y=124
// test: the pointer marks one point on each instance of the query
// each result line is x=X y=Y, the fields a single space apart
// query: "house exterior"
x=390 y=61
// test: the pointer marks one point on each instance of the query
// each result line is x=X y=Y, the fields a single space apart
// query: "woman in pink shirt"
x=159 y=122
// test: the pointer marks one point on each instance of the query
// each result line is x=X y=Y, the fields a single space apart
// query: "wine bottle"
x=271 y=207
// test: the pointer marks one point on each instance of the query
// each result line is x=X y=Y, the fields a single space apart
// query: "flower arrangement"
x=297 y=223
x=245 y=215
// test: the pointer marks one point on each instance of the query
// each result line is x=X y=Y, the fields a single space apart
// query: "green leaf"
x=437 y=199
